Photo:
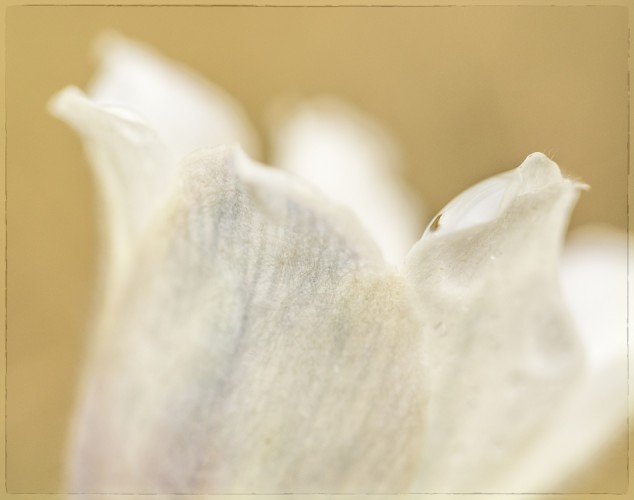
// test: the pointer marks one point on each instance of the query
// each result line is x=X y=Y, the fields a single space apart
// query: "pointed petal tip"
x=538 y=171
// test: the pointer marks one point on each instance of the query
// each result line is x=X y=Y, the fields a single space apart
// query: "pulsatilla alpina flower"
x=254 y=338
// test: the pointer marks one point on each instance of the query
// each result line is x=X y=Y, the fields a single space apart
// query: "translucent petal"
x=262 y=345
x=185 y=110
x=133 y=167
x=354 y=161
x=501 y=348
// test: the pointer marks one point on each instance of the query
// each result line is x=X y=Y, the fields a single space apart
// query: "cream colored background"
x=468 y=92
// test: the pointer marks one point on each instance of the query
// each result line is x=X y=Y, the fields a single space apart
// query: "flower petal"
x=133 y=167
x=186 y=111
x=501 y=349
x=262 y=345
x=354 y=161
x=589 y=421
x=594 y=417
x=594 y=283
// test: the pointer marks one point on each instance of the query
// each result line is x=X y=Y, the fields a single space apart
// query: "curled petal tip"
x=58 y=104
x=72 y=106
x=78 y=110
x=487 y=200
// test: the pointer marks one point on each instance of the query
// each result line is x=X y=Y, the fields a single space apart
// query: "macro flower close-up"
x=280 y=305
x=254 y=338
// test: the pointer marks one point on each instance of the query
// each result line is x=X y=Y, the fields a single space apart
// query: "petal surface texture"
x=261 y=345
x=501 y=349
x=185 y=110
x=352 y=159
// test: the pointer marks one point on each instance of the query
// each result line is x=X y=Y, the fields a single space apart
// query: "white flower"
x=253 y=337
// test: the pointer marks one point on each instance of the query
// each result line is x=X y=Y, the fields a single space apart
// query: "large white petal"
x=262 y=345
x=353 y=160
x=501 y=351
x=186 y=111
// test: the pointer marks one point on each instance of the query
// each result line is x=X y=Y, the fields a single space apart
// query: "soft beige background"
x=468 y=91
